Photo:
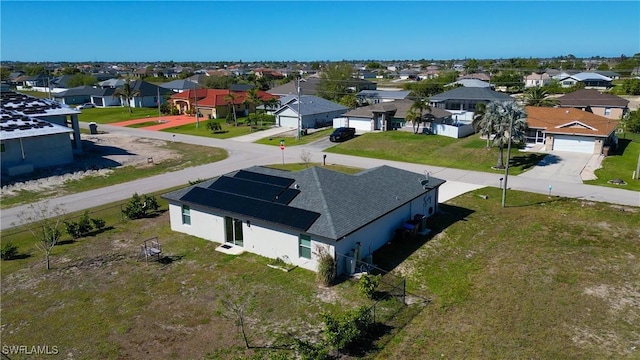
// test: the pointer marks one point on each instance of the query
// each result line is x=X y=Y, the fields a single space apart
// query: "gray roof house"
x=100 y=97
x=307 y=87
x=180 y=85
x=386 y=116
x=315 y=112
x=378 y=96
x=462 y=101
x=291 y=215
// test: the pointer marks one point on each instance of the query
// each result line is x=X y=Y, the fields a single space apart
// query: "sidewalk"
x=257 y=135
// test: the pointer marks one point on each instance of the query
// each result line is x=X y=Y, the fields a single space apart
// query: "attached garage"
x=581 y=144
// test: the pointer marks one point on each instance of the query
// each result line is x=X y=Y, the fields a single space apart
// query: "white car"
x=85 y=106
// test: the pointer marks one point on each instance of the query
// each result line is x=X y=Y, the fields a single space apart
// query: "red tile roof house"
x=569 y=129
x=593 y=101
x=213 y=104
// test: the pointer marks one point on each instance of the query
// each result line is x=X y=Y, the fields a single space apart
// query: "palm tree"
x=127 y=92
x=230 y=98
x=419 y=105
x=413 y=116
x=482 y=122
x=272 y=104
x=506 y=115
x=253 y=100
x=537 y=96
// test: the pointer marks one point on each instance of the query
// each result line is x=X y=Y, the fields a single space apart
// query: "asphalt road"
x=245 y=154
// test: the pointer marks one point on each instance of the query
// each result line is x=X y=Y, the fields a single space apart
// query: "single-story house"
x=388 y=116
x=569 y=129
x=378 y=96
x=479 y=75
x=214 y=103
x=147 y=94
x=589 y=79
x=290 y=215
x=180 y=85
x=100 y=97
x=462 y=101
x=308 y=86
x=536 y=80
x=471 y=83
x=592 y=100
x=314 y=112
x=44 y=109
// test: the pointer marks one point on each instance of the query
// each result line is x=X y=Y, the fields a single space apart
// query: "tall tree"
x=537 y=96
x=419 y=105
x=507 y=115
x=126 y=92
x=483 y=123
x=335 y=81
x=252 y=100
x=230 y=98
x=82 y=79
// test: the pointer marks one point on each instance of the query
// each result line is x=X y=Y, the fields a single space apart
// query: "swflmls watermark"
x=29 y=350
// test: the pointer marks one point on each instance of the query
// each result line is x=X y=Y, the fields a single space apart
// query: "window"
x=2 y=149
x=305 y=246
x=186 y=215
x=607 y=111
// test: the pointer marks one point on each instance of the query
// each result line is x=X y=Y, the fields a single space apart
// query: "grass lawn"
x=543 y=278
x=467 y=153
x=98 y=302
x=292 y=141
x=38 y=94
x=302 y=166
x=620 y=164
x=115 y=114
x=190 y=155
x=228 y=130
x=561 y=284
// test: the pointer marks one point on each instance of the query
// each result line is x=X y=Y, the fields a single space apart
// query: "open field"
x=467 y=153
x=542 y=278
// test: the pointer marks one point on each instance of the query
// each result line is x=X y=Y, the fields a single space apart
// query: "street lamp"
x=501 y=182
x=506 y=170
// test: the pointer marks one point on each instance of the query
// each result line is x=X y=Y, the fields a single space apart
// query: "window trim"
x=186 y=215
x=304 y=247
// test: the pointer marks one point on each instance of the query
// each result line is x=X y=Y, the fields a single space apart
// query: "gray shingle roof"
x=181 y=84
x=345 y=202
x=591 y=97
x=471 y=93
x=85 y=91
x=307 y=87
x=310 y=105
x=401 y=108
x=384 y=94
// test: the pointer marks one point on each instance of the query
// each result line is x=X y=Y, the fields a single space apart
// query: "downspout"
x=22 y=149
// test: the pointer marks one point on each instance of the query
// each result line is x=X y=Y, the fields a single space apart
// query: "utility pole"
x=159 y=113
x=299 y=115
x=195 y=104
x=506 y=169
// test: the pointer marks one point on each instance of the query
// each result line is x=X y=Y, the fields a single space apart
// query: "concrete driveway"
x=560 y=166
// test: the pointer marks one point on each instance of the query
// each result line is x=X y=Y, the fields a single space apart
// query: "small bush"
x=368 y=284
x=140 y=207
x=98 y=224
x=8 y=251
x=308 y=351
x=343 y=331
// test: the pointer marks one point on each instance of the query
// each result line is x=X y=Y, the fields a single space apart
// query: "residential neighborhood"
x=218 y=185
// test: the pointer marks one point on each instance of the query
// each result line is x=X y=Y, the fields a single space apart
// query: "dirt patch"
x=102 y=153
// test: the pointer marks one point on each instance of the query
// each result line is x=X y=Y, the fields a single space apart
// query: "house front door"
x=233 y=231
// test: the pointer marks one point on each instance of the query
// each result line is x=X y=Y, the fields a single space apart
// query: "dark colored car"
x=342 y=134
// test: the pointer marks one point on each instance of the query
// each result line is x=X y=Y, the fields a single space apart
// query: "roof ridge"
x=325 y=205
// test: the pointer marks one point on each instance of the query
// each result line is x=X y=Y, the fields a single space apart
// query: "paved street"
x=244 y=154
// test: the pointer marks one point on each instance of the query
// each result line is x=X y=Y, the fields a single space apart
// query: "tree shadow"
x=19 y=256
x=399 y=249
x=622 y=146
x=170 y=259
x=529 y=160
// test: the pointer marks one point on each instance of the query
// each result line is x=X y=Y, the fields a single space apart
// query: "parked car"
x=85 y=106
x=342 y=134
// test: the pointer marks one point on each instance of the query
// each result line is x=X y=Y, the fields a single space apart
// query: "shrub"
x=308 y=351
x=368 y=284
x=80 y=228
x=140 y=207
x=326 y=267
x=98 y=224
x=8 y=251
x=342 y=331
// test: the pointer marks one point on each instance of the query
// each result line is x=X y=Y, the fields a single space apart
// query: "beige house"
x=593 y=101
x=536 y=80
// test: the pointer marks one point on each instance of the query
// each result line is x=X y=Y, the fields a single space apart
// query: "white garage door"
x=286 y=121
x=581 y=144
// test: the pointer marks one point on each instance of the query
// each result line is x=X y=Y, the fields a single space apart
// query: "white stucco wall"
x=259 y=238
x=39 y=151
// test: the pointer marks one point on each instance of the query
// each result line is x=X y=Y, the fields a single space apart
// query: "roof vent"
x=296 y=186
x=566 y=112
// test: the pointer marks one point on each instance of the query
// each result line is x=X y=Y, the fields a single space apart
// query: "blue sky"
x=314 y=30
